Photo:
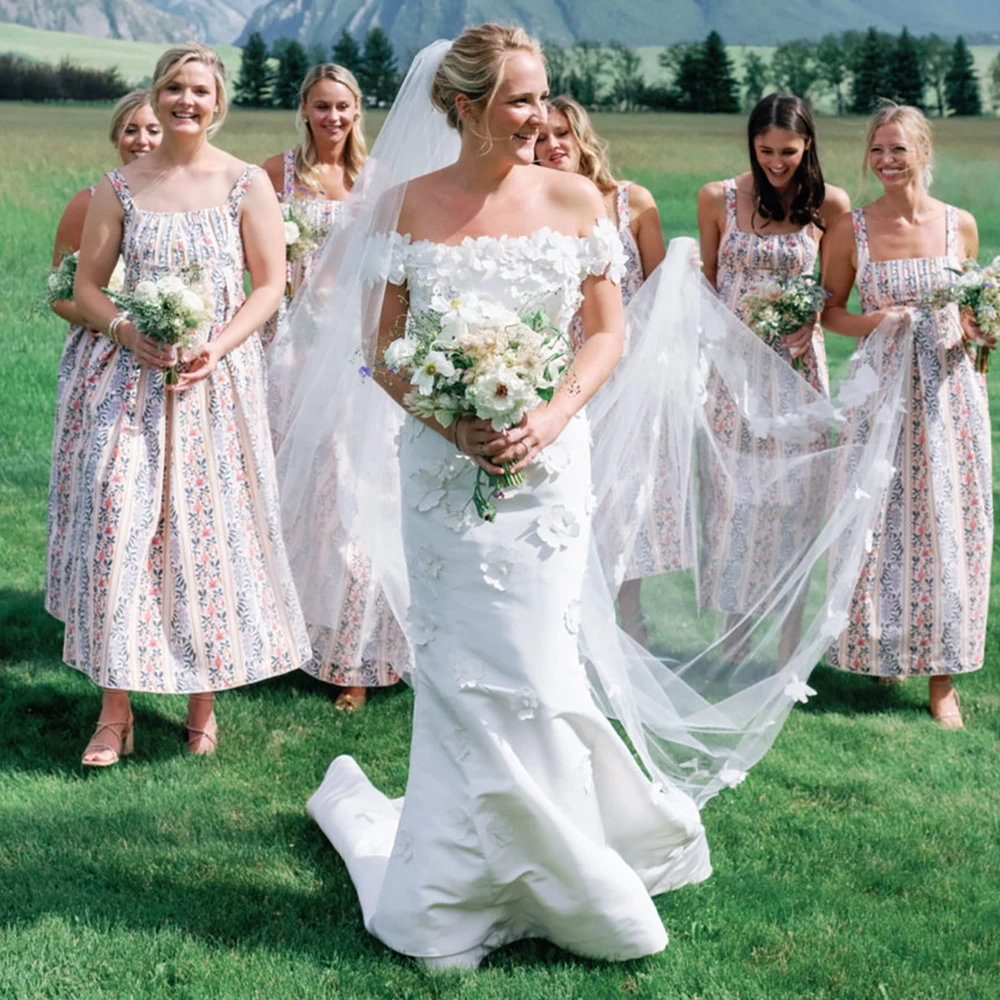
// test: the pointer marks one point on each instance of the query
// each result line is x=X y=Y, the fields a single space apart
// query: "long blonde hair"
x=123 y=111
x=914 y=123
x=170 y=63
x=355 y=150
x=474 y=66
x=594 y=162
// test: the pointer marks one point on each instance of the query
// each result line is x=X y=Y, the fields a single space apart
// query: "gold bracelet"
x=116 y=321
x=454 y=433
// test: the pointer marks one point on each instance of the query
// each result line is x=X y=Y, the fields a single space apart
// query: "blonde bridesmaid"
x=313 y=180
x=567 y=141
x=919 y=608
x=134 y=132
x=179 y=582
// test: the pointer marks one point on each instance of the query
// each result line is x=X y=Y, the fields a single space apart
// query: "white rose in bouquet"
x=292 y=233
x=146 y=293
x=399 y=354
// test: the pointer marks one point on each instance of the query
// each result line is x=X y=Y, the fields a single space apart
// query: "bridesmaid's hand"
x=537 y=430
x=972 y=333
x=198 y=365
x=799 y=342
x=148 y=353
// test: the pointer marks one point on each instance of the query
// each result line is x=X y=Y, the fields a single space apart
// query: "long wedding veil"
x=744 y=498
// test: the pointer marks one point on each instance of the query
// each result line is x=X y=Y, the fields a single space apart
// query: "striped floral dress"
x=921 y=601
x=320 y=213
x=743 y=544
x=179 y=580
x=66 y=442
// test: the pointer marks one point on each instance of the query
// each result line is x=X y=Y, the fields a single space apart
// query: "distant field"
x=134 y=59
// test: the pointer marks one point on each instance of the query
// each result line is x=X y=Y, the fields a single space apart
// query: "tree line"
x=21 y=79
x=271 y=78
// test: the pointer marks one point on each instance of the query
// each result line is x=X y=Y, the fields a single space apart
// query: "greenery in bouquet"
x=783 y=306
x=302 y=237
x=977 y=292
x=471 y=357
x=169 y=310
x=60 y=284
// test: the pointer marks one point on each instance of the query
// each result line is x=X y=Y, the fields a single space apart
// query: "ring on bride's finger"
x=482 y=450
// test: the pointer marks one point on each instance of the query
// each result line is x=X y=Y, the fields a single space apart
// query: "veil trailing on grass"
x=742 y=497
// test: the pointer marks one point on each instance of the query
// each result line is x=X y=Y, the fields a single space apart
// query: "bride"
x=525 y=815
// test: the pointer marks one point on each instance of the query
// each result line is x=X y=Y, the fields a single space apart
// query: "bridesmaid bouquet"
x=977 y=293
x=167 y=310
x=784 y=306
x=61 y=279
x=302 y=238
x=471 y=357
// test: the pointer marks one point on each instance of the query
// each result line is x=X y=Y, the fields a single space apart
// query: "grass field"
x=860 y=859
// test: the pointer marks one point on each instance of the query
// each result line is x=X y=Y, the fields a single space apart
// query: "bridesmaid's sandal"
x=950 y=718
x=350 y=701
x=202 y=742
x=102 y=753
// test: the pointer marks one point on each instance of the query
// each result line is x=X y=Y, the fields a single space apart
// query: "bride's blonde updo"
x=474 y=66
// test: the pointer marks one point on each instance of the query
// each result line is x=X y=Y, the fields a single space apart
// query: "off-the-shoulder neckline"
x=503 y=238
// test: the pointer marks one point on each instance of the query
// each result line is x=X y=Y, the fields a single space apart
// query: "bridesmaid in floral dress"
x=920 y=605
x=568 y=142
x=766 y=224
x=313 y=180
x=179 y=581
x=134 y=132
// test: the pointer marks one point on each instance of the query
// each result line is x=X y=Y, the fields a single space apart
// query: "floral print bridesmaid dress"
x=179 y=580
x=921 y=601
x=744 y=545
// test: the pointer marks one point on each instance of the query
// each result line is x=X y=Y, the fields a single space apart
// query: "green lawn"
x=860 y=859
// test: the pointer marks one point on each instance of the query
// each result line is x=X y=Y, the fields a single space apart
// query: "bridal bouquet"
x=783 y=306
x=61 y=279
x=977 y=291
x=471 y=357
x=168 y=310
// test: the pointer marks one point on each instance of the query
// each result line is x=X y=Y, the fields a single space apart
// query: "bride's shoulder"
x=572 y=193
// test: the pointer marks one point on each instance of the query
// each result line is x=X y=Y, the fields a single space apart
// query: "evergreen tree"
x=293 y=64
x=689 y=75
x=253 y=88
x=559 y=69
x=627 y=82
x=317 y=54
x=347 y=53
x=755 y=76
x=961 y=84
x=906 y=72
x=994 y=84
x=721 y=94
x=871 y=78
x=379 y=75
x=831 y=67
x=936 y=54
x=590 y=60
x=794 y=68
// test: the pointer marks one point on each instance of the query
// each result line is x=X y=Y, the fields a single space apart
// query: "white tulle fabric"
x=520 y=799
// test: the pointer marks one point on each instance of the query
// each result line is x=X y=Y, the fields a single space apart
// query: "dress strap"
x=120 y=186
x=861 y=236
x=244 y=181
x=622 y=209
x=729 y=191
x=950 y=231
x=289 y=184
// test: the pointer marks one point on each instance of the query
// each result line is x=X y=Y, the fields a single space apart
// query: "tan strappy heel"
x=952 y=719
x=202 y=742
x=122 y=730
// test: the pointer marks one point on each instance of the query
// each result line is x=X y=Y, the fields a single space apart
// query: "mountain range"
x=412 y=23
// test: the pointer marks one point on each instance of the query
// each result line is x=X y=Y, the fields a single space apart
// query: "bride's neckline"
x=489 y=238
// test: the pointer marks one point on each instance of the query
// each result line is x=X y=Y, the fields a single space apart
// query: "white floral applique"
x=557 y=527
x=462 y=823
x=459 y=744
x=500 y=832
x=525 y=703
x=461 y=519
x=859 y=388
x=835 y=623
x=429 y=566
x=798 y=690
x=403 y=846
x=571 y=617
x=420 y=627
x=469 y=674
x=498 y=567
x=424 y=490
x=553 y=460
x=732 y=776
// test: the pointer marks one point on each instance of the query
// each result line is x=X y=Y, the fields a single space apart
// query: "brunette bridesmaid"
x=920 y=605
x=179 y=581
x=134 y=132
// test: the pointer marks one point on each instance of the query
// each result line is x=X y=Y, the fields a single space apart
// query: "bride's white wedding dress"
x=524 y=815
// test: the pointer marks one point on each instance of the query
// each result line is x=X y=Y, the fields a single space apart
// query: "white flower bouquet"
x=168 y=310
x=783 y=306
x=977 y=292
x=471 y=357
x=60 y=284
